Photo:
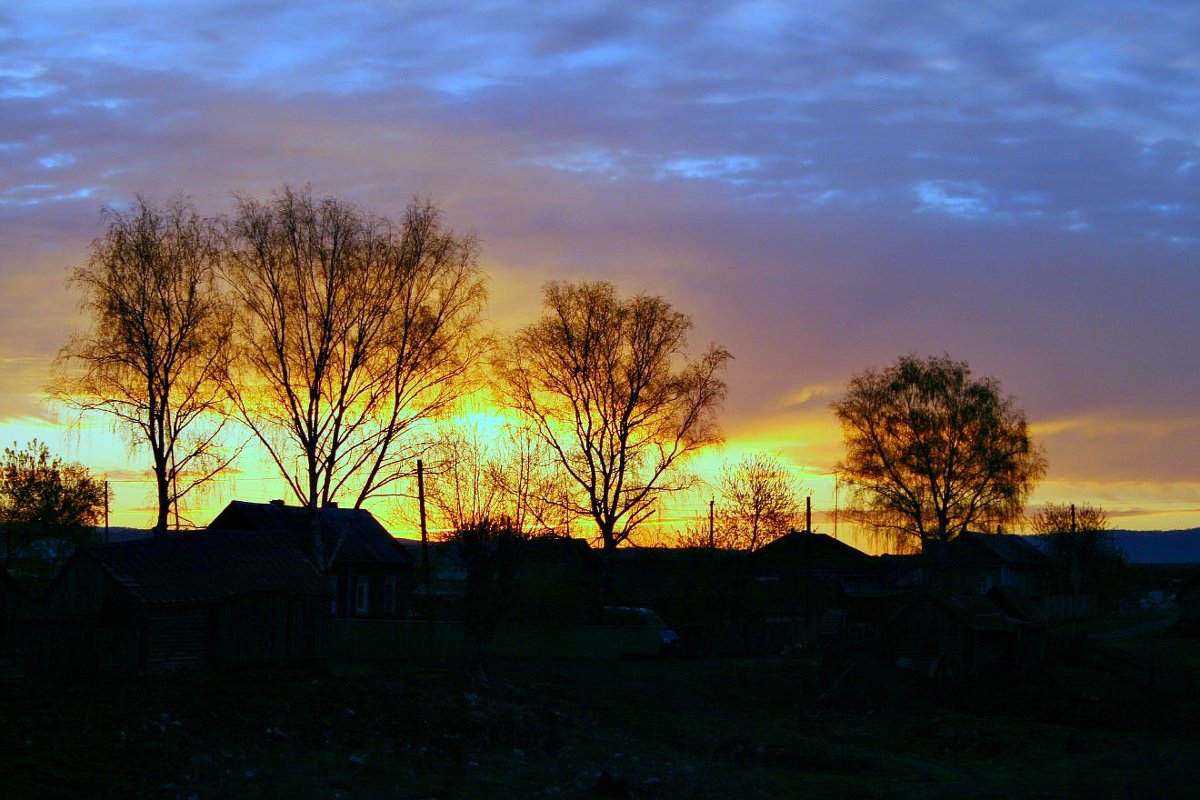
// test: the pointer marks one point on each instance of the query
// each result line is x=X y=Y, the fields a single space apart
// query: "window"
x=361 y=590
x=391 y=595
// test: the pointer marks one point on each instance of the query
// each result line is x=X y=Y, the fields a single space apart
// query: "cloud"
x=821 y=190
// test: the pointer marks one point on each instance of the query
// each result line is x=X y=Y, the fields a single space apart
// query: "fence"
x=388 y=640
x=1061 y=607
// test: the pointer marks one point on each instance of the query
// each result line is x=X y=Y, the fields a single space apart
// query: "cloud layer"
x=822 y=186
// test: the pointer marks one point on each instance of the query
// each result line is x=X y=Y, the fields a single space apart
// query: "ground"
x=676 y=728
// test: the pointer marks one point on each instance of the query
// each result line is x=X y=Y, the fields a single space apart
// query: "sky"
x=823 y=187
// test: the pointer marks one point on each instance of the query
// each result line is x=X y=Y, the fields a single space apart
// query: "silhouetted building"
x=370 y=572
x=208 y=598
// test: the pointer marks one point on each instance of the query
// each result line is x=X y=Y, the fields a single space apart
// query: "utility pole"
x=712 y=542
x=424 y=530
x=425 y=559
x=808 y=514
x=106 y=510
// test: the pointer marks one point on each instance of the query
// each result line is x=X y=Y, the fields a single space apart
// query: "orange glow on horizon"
x=809 y=445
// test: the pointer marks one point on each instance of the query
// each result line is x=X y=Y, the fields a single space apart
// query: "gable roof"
x=353 y=535
x=971 y=611
x=811 y=550
x=204 y=565
x=989 y=549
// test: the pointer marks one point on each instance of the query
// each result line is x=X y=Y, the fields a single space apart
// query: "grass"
x=754 y=728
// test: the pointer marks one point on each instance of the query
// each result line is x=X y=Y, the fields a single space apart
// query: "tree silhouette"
x=604 y=382
x=42 y=498
x=1079 y=542
x=352 y=331
x=757 y=501
x=157 y=352
x=931 y=451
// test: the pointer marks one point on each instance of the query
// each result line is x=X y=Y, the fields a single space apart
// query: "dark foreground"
x=656 y=729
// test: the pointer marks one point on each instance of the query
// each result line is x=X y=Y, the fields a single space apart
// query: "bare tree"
x=758 y=501
x=353 y=330
x=157 y=353
x=1079 y=542
x=503 y=473
x=604 y=383
x=930 y=451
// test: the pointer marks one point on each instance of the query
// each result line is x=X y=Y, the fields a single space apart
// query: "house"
x=959 y=636
x=976 y=562
x=558 y=580
x=1187 y=601
x=551 y=579
x=972 y=564
x=686 y=586
x=208 y=598
x=370 y=573
x=802 y=573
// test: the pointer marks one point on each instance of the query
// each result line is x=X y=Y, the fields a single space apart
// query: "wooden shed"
x=954 y=636
x=211 y=598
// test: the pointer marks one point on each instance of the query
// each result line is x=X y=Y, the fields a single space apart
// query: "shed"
x=210 y=598
x=953 y=636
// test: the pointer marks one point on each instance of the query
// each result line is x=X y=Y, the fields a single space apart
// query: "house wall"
x=176 y=638
x=271 y=630
x=81 y=589
x=388 y=594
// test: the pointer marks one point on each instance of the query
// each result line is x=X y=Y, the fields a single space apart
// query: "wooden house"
x=557 y=579
x=977 y=562
x=209 y=598
x=371 y=575
x=960 y=636
x=686 y=586
x=801 y=574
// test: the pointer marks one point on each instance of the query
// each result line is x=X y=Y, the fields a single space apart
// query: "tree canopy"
x=1079 y=543
x=44 y=499
x=604 y=381
x=932 y=451
x=351 y=331
x=157 y=352
x=757 y=502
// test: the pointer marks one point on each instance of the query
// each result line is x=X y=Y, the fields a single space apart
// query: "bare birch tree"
x=604 y=382
x=352 y=331
x=157 y=353
x=481 y=474
x=757 y=501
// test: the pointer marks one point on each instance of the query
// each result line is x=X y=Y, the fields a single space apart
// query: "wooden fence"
x=384 y=640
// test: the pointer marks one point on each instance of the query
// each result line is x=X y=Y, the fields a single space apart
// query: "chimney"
x=277 y=503
x=330 y=504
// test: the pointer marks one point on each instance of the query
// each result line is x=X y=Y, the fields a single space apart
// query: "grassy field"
x=651 y=729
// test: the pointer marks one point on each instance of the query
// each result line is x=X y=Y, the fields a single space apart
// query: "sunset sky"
x=822 y=186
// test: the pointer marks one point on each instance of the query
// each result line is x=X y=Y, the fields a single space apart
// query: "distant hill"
x=1155 y=547
x=1160 y=547
x=119 y=534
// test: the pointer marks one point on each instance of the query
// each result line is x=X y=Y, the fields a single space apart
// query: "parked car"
x=627 y=615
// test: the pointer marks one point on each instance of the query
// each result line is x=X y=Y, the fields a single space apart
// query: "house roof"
x=997 y=548
x=972 y=611
x=811 y=550
x=205 y=565
x=353 y=535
